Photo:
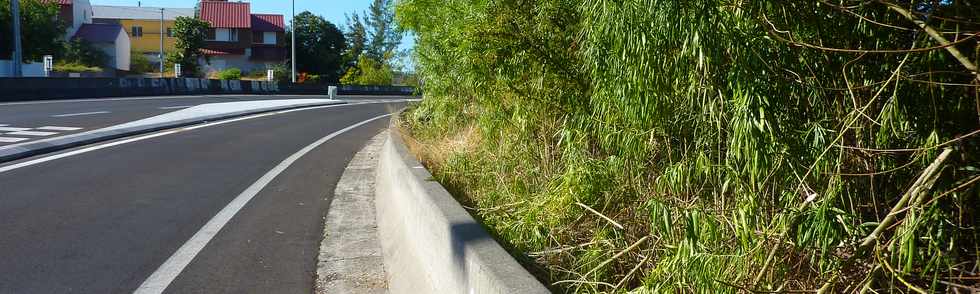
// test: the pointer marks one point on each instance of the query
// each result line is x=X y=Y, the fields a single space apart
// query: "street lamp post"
x=162 y=31
x=17 y=58
x=293 y=72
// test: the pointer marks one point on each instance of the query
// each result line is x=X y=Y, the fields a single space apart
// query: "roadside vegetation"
x=710 y=145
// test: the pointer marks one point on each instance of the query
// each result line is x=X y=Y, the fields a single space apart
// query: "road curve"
x=105 y=221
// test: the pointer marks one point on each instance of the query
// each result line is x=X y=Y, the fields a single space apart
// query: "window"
x=270 y=38
x=257 y=37
x=233 y=35
x=212 y=35
x=170 y=32
x=137 y=31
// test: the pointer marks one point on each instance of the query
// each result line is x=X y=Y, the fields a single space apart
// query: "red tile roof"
x=231 y=15
x=268 y=23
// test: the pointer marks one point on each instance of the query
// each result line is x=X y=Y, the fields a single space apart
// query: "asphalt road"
x=45 y=119
x=106 y=220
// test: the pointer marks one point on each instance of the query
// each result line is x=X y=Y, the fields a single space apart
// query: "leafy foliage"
x=384 y=35
x=191 y=34
x=41 y=31
x=369 y=72
x=230 y=74
x=710 y=145
x=319 y=46
x=74 y=67
x=356 y=35
x=83 y=52
x=139 y=63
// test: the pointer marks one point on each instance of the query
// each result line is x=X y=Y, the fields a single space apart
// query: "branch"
x=935 y=36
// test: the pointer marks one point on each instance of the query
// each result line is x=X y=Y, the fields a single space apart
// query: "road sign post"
x=177 y=70
x=270 y=75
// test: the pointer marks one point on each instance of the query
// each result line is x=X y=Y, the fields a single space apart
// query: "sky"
x=332 y=10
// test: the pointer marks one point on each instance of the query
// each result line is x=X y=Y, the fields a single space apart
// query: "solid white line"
x=54 y=128
x=80 y=114
x=177 y=107
x=163 y=276
x=11 y=129
x=11 y=167
x=32 y=133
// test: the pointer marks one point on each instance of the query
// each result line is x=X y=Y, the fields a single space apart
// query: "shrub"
x=138 y=63
x=76 y=68
x=230 y=74
x=79 y=51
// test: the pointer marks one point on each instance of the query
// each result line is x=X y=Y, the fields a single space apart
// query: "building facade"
x=240 y=39
x=143 y=26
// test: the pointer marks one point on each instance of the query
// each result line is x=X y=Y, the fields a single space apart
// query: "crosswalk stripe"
x=31 y=133
x=8 y=129
x=55 y=128
x=11 y=139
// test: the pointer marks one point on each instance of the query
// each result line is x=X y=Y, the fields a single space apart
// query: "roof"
x=231 y=15
x=213 y=52
x=131 y=12
x=99 y=33
x=268 y=23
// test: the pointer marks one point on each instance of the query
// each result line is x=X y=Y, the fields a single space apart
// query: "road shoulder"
x=350 y=259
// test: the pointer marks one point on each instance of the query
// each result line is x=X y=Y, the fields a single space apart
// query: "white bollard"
x=332 y=91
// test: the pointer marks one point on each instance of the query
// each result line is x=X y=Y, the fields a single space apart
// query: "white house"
x=111 y=39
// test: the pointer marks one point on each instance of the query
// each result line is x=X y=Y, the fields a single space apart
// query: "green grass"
x=691 y=146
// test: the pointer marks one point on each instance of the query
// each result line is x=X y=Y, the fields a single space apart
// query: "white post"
x=270 y=75
x=18 y=55
x=177 y=70
x=48 y=65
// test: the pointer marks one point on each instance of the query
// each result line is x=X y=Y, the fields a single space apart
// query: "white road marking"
x=9 y=129
x=12 y=139
x=11 y=167
x=80 y=114
x=54 y=128
x=163 y=276
x=3 y=125
x=178 y=107
x=32 y=133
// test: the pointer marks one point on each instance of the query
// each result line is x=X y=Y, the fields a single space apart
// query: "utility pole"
x=162 y=31
x=18 y=55
x=293 y=42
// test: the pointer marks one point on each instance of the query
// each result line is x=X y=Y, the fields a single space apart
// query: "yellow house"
x=143 y=25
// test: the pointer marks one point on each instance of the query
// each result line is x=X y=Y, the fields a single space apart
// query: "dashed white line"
x=9 y=129
x=12 y=139
x=32 y=133
x=163 y=276
x=177 y=107
x=54 y=128
x=80 y=114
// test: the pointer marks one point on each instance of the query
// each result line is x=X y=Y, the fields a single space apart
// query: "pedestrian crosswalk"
x=15 y=134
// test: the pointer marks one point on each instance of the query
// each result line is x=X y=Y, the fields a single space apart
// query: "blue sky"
x=332 y=10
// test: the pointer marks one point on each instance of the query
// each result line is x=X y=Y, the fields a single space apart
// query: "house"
x=111 y=39
x=143 y=26
x=74 y=13
x=240 y=39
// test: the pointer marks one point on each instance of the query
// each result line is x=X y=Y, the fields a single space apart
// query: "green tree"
x=356 y=34
x=319 y=46
x=82 y=52
x=190 y=33
x=369 y=72
x=384 y=34
x=40 y=30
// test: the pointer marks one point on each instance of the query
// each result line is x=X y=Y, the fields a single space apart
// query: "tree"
x=190 y=33
x=356 y=34
x=385 y=36
x=319 y=46
x=369 y=72
x=40 y=30
x=82 y=52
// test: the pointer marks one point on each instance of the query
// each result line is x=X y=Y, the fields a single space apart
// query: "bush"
x=368 y=72
x=138 y=63
x=709 y=146
x=79 y=51
x=76 y=68
x=230 y=74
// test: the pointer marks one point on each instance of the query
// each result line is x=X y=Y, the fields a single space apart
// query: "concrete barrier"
x=430 y=243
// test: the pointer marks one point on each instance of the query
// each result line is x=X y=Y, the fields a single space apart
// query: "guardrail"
x=33 y=88
x=430 y=243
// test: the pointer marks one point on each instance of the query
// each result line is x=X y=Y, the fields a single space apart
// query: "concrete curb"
x=429 y=242
x=23 y=150
x=350 y=260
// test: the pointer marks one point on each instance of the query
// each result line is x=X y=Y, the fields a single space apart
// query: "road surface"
x=112 y=219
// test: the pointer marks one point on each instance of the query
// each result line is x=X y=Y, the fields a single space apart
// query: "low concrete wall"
x=430 y=243
x=39 y=88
